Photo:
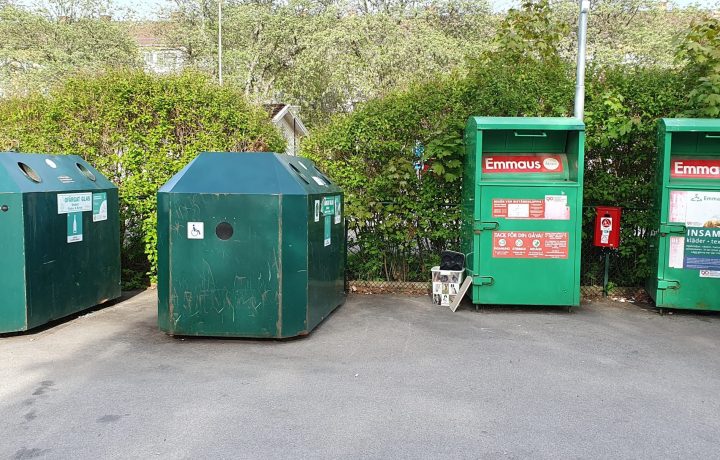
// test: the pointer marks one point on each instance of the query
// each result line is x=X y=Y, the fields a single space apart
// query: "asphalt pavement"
x=383 y=377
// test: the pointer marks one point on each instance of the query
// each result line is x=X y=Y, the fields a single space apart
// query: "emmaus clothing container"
x=686 y=250
x=61 y=239
x=249 y=245
x=522 y=210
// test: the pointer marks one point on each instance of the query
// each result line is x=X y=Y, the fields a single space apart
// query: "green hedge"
x=623 y=107
x=399 y=224
x=138 y=130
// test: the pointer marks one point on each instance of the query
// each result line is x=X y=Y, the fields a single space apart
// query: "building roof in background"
x=148 y=34
x=274 y=109
x=290 y=112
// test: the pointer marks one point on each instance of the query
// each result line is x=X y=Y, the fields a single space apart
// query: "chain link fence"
x=628 y=266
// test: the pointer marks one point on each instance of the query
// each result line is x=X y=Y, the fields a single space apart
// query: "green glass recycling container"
x=61 y=239
x=249 y=245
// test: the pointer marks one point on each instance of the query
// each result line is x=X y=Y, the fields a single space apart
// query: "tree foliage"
x=38 y=50
x=139 y=130
x=389 y=75
x=399 y=223
x=622 y=110
x=626 y=32
x=700 y=51
x=329 y=55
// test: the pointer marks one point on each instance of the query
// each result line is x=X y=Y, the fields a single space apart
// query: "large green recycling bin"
x=61 y=239
x=522 y=210
x=249 y=245
x=686 y=249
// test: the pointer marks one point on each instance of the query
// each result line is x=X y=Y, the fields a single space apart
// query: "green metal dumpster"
x=249 y=245
x=522 y=210
x=686 y=249
x=61 y=239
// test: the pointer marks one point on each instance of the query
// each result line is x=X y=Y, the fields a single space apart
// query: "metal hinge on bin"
x=480 y=226
x=666 y=229
x=668 y=284
x=483 y=280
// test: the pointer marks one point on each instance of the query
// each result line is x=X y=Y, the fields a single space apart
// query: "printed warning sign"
x=605 y=229
x=552 y=207
x=530 y=245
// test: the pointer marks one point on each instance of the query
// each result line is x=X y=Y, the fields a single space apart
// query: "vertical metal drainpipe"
x=582 y=45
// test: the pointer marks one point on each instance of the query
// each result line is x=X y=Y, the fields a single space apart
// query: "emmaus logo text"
x=508 y=164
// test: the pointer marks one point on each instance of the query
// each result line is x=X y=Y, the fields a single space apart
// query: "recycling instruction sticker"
x=328 y=227
x=74 y=227
x=99 y=206
x=328 y=206
x=74 y=202
x=338 y=211
x=552 y=207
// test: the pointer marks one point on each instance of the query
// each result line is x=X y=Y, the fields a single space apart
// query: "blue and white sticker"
x=99 y=206
x=196 y=230
x=74 y=227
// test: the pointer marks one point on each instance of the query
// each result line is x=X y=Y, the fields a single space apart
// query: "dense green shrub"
x=622 y=109
x=699 y=51
x=139 y=130
x=401 y=223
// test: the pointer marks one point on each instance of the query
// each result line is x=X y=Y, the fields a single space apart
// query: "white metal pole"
x=582 y=45
x=220 y=67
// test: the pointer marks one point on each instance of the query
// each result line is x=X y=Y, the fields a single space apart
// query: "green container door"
x=205 y=261
x=687 y=247
x=61 y=245
x=249 y=245
x=522 y=210
x=524 y=262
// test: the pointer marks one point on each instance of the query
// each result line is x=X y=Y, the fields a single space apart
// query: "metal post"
x=220 y=80
x=607 y=271
x=582 y=45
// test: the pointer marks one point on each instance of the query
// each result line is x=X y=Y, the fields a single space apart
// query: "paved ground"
x=384 y=377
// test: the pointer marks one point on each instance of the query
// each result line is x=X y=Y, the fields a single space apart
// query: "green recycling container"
x=249 y=245
x=686 y=249
x=61 y=239
x=522 y=210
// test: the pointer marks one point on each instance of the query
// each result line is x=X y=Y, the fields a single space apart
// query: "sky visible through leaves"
x=149 y=9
